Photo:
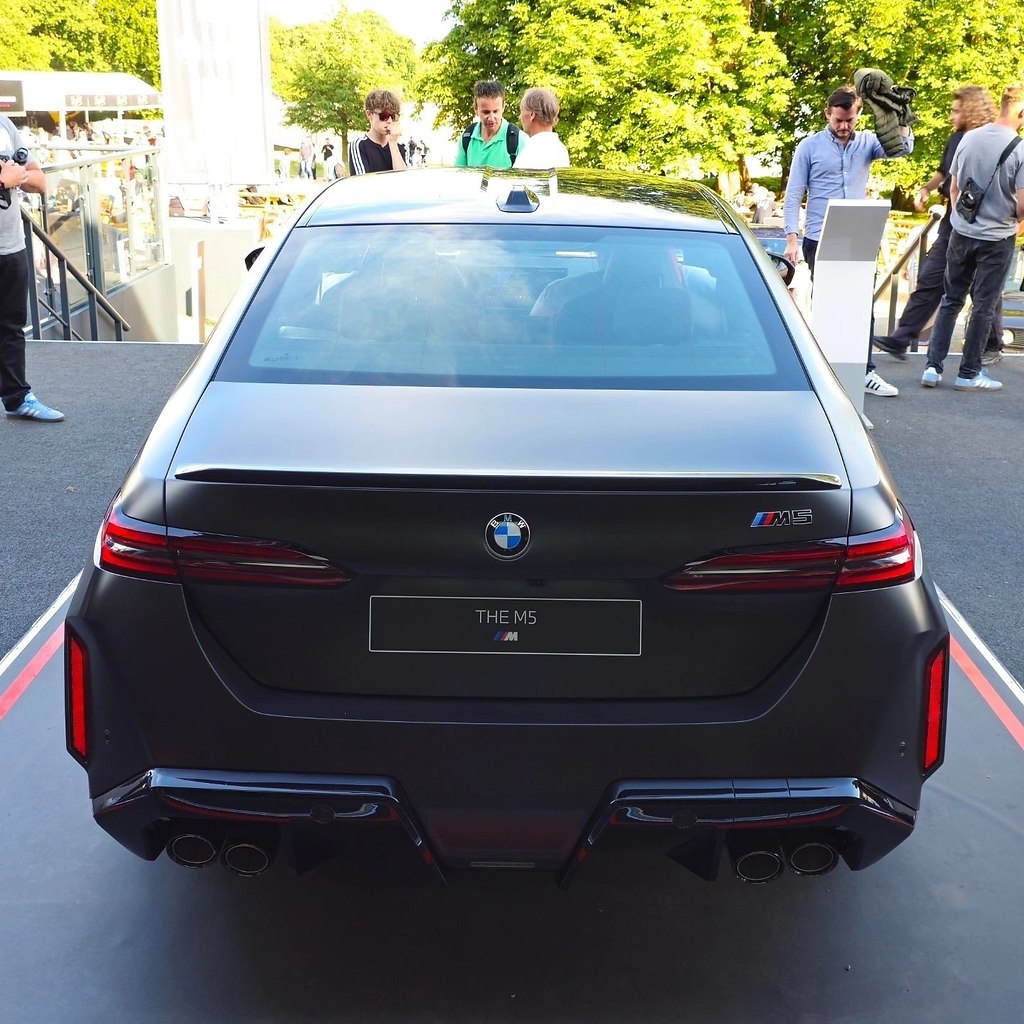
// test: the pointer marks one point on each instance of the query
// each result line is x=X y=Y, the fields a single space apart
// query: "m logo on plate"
x=507 y=536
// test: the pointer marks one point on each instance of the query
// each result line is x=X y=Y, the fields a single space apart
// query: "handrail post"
x=94 y=324
x=65 y=302
x=33 y=298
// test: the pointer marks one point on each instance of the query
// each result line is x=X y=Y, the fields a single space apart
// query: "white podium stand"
x=844 y=282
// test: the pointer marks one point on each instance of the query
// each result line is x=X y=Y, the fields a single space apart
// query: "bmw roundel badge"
x=507 y=536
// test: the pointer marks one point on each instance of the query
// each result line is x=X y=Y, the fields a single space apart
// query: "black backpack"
x=511 y=140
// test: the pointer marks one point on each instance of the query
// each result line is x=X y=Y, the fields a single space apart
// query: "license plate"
x=498 y=625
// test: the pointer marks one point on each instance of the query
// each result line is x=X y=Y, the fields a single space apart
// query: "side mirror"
x=786 y=267
x=253 y=257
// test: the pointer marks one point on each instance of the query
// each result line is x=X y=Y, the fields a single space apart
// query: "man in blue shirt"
x=834 y=164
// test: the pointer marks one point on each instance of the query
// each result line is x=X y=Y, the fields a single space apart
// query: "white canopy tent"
x=61 y=93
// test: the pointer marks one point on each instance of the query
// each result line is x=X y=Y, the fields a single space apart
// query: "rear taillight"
x=134 y=548
x=76 y=686
x=880 y=559
x=935 y=676
x=131 y=547
x=811 y=567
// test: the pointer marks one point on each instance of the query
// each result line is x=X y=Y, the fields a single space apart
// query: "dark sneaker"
x=886 y=344
x=32 y=409
x=992 y=357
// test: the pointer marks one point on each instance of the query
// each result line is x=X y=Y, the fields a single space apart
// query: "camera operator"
x=17 y=397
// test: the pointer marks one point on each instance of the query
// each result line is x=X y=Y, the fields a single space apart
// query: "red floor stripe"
x=25 y=677
x=984 y=687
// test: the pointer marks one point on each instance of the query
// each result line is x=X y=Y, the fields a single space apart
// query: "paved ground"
x=91 y=934
x=958 y=461
x=57 y=479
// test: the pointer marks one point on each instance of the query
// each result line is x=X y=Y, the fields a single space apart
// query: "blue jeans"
x=928 y=291
x=978 y=267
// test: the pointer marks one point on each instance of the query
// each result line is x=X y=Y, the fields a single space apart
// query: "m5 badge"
x=784 y=517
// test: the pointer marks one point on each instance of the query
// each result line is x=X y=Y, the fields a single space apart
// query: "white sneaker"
x=983 y=382
x=874 y=385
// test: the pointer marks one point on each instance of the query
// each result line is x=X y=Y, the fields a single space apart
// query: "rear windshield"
x=514 y=306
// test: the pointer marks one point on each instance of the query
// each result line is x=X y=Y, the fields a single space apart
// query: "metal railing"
x=95 y=299
x=889 y=280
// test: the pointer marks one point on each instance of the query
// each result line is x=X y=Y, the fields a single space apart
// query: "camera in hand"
x=19 y=156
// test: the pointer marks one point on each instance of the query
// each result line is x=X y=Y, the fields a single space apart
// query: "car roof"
x=477 y=195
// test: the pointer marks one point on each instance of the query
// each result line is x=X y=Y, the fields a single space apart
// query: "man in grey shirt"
x=17 y=171
x=980 y=250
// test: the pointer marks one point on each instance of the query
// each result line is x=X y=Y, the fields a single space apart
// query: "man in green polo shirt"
x=490 y=141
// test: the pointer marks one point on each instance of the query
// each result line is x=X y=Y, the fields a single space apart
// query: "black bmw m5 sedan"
x=505 y=522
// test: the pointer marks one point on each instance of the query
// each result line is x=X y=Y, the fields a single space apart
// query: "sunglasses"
x=385 y=115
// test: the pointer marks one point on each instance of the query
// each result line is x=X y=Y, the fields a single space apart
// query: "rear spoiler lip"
x=483 y=481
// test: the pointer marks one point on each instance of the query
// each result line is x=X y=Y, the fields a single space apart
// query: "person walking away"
x=538 y=114
x=835 y=164
x=18 y=170
x=329 y=165
x=379 y=149
x=987 y=194
x=490 y=141
x=306 y=158
x=971 y=108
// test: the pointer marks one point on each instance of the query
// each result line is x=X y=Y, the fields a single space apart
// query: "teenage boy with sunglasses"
x=379 y=149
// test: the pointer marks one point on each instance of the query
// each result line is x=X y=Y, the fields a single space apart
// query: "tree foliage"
x=650 y=86
x=67 y=31
x=663 y=85
x=324 y=70
x=81 y=35
x=133 y=46
x=932 y=48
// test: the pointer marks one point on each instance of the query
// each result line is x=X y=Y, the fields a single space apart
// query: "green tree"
x=129 y=40
x=653 y=86
x=20 y=50
x=69 y=30
x=81 y=35
x=324 y=70
x=669 y=86
x=932 y=48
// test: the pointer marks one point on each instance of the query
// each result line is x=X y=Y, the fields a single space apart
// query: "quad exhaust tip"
x=813 y=858
x=759 y=866
x=766 y=859
x=191 y=850
x=246 y=859
x=243 y=857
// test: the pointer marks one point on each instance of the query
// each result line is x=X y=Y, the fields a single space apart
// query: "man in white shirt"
x=538 y=114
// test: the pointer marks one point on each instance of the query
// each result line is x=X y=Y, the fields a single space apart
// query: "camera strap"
x=1010 y=147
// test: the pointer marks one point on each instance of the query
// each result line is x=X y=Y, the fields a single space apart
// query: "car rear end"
x=492 y=543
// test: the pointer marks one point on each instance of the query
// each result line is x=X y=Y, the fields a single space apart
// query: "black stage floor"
x=89 y=934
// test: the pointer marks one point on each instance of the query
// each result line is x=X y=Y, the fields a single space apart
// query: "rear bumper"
x=318 y=817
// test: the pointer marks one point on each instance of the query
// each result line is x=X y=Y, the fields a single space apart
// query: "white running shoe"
x=983 y=382
x=874 y=385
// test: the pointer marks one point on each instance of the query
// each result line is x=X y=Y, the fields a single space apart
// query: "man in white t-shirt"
x=538 y=114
